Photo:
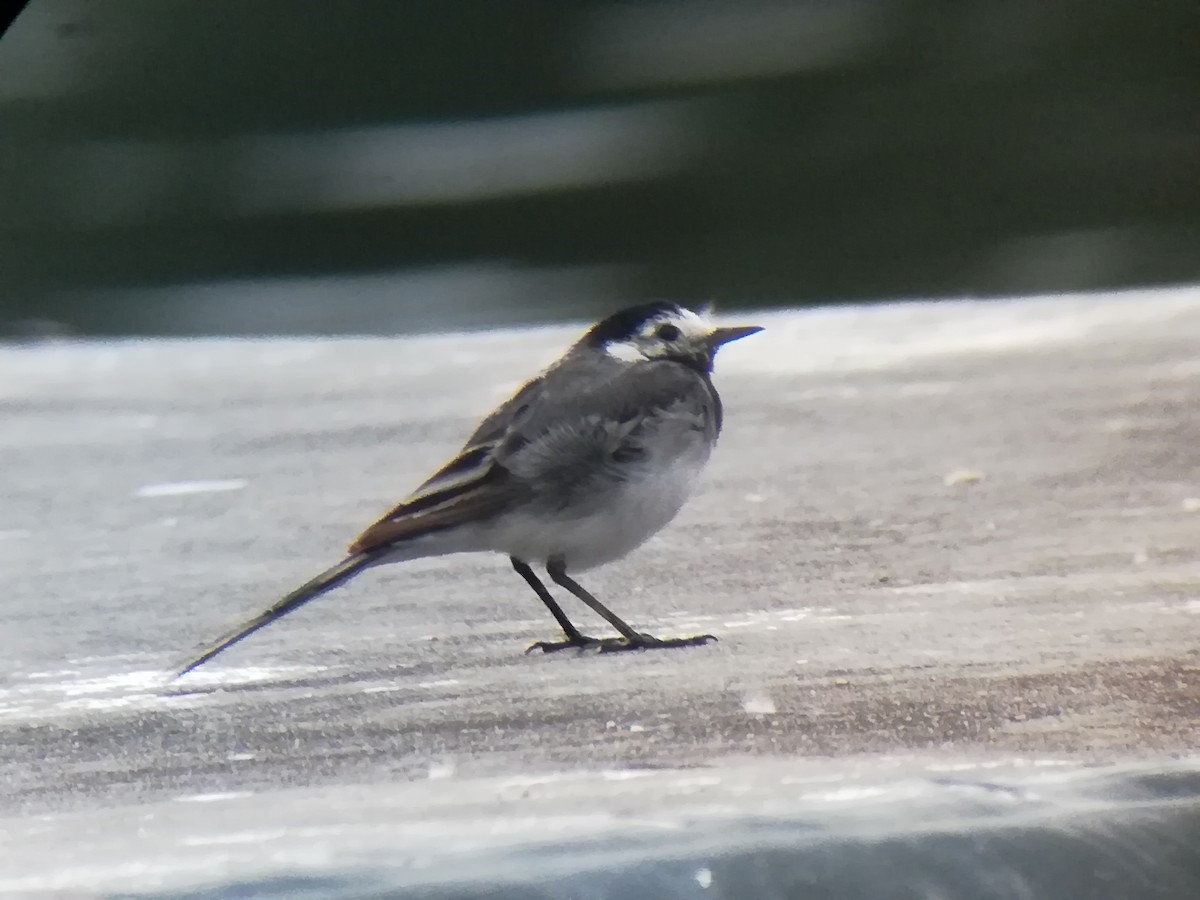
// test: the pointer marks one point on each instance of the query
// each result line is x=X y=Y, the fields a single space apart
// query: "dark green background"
x=784 y=153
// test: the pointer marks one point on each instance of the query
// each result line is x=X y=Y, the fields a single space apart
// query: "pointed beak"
x=721 y=336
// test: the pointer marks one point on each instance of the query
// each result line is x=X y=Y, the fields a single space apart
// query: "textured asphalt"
x=933 y=536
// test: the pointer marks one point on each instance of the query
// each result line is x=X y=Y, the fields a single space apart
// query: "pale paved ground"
x=1044 y=605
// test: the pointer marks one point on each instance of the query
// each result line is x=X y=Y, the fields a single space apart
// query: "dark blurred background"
x=289 y=166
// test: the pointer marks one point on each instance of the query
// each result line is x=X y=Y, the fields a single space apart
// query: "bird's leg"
x=575 y=638
x=629 y=639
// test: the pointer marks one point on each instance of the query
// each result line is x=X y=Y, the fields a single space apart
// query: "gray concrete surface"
x=935 y=537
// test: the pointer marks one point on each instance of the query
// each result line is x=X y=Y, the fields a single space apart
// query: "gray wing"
x=478 y=454
x=605 y=423
x=469 y=486
x=571 y=422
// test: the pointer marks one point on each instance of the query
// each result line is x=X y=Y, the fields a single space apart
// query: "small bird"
x=582 y=465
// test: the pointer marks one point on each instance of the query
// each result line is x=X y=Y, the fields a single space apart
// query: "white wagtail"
x=582 y=465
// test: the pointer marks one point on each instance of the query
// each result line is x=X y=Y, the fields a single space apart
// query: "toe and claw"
x=638 y=641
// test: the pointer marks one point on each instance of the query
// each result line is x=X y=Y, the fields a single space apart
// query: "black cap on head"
x=628 y=322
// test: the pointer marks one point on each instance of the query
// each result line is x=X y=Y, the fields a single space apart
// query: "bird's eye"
x=669 y=332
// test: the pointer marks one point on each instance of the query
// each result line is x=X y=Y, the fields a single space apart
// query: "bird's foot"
x=619 y=644
x=577 y=641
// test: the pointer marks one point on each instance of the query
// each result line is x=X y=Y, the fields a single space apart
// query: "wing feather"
x=427 y=508
x=456 y=505
x=537 y=419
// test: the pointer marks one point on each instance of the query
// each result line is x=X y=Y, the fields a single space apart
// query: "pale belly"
x=619 y=521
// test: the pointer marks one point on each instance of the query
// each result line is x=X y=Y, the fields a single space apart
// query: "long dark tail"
x=311 y=590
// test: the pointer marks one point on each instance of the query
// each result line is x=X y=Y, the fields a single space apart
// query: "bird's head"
x=663 y=331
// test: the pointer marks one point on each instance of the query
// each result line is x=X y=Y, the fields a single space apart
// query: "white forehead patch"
x=693 y=326
x=642 y=346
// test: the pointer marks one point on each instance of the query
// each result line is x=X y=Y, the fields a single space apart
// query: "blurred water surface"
x=211 y=166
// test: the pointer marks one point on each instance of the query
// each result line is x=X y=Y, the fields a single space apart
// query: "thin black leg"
x=558 y=574
x=629 y=639
x=574 y=636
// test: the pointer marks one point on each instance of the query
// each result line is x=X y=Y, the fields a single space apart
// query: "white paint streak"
x=179 y=488
x=214 y=797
